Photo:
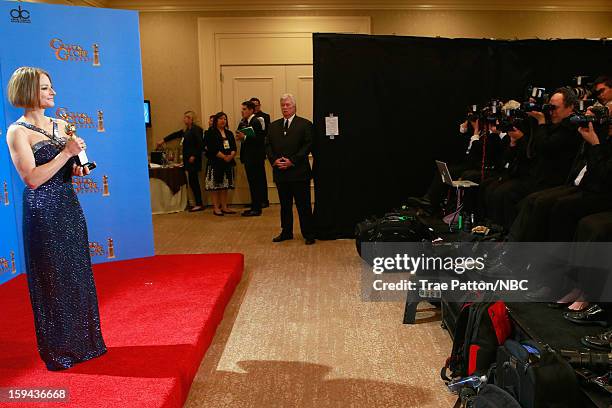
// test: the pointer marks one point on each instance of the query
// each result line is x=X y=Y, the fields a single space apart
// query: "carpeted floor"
x=296 y=333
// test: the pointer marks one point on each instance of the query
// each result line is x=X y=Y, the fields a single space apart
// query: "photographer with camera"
x=480 y=158
x=550 y=149
x=514 y=166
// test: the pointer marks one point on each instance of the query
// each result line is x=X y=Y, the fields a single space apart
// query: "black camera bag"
x=481 y=328
x=544 y=381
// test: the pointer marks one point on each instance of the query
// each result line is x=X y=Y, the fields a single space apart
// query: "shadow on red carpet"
x=158 y=315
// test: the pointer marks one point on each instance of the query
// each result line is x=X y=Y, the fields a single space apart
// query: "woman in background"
x=220 y=147
x=60 y=278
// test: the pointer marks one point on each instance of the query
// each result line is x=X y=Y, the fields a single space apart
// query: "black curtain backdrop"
x=400 y=101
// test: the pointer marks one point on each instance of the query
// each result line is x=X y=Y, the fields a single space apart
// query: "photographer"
x=473 y=165
x=550 y=149
x=552 y=214
x=602 y=89
x=514 y=169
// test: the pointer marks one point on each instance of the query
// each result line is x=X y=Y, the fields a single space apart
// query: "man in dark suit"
x=253 y=156
x=287 y=147
x=265 y=123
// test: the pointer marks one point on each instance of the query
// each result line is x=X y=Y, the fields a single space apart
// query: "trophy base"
x=90 y=166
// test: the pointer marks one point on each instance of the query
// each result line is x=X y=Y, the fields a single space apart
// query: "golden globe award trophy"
x=111 y=249
x=100 y=121
x=105 y=192
x=6 y=200
x=96 y=55
x=82 y=157
x=13 y=268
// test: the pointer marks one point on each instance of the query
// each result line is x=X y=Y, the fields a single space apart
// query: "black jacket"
x=253 y=150
x=295 y=146
x=193 y=145
x=553 y=148
x=598 y=159
x=266 y=119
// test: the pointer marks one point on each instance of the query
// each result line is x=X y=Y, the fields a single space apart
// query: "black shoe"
x=599 y=342
x=265 y=204
x=282 y=238
x=251 y=213
x=309 y=241
x=593 y=314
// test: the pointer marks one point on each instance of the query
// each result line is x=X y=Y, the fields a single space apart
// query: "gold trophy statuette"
x=13 y=268
x=6 y=200
x=111 y=249
x=100 y=121
x=70 y=131
x=96 y=55
x=105 y=192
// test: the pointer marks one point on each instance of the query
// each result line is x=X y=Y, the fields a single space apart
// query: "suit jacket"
x=554 y=146
x=252 y=150
x=193 y=145
x=295 y=146
x=266 y=119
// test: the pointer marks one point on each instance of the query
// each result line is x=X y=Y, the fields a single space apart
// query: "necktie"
x=286 y=127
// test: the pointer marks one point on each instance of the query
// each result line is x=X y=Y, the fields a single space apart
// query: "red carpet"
x=159 y=316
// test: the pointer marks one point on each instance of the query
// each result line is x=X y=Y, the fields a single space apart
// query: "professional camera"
x=584 y=104
x=536 y=107
x=600 y=117
x=492 y=112
x=511 y=118
x=581 y=88
x=587 y=359
x=535 y=100
x=473 y=113
x=536 y=93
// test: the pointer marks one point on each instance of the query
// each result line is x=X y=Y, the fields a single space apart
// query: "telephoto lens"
x=587 y=359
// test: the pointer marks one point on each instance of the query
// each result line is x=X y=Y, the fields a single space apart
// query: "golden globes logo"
x=100 y=121
x=96 y=249
x=111 y=249
x=78 y=119
x=105 y=189
x=85 y=185
x=96 y=55
x=5 y=265
x=6 y=194
x=69 y=52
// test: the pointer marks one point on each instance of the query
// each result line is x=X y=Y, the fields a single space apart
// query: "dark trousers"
x=501 y=199
x=553 y=214
x=194 y=185
x=256 y=176
x=300 y=191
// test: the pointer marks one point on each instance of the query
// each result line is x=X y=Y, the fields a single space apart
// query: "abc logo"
x=20 y=14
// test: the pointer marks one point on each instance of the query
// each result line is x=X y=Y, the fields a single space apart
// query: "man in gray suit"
x=288 y=144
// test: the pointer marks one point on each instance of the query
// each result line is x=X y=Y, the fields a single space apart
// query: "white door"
x=268 y=83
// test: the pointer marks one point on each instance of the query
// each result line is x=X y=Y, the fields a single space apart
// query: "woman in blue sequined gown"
x=56 y=246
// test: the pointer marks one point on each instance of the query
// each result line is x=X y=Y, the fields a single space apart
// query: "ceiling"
x=231 y=5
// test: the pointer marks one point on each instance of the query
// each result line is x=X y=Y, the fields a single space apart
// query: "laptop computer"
x=447 y=178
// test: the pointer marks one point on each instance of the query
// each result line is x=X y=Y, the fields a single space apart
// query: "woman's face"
x=222 y=122
x=187 y=120
x=47 y=94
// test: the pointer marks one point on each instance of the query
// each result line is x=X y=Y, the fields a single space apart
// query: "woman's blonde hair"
x=24 y=87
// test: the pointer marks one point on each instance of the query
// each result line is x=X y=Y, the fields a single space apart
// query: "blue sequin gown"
x=60 y=278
